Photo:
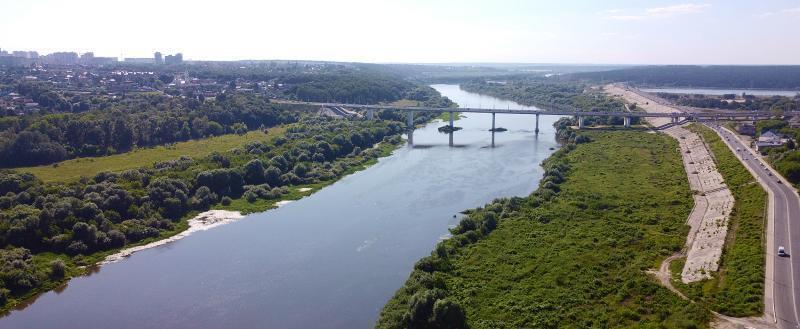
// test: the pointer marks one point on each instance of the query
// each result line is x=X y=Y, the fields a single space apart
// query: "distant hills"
x=784 y=77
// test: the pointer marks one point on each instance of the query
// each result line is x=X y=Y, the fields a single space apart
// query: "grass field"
x=738 y=288
x=576 y=258
x=74 y=169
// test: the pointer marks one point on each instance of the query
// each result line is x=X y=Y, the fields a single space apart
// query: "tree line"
x=136 y=121
x=716 y=76
x=749 y=103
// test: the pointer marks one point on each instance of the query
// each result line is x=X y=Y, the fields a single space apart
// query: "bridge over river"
x=557 y=110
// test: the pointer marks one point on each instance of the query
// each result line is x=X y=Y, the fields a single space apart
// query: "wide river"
x=330 y=260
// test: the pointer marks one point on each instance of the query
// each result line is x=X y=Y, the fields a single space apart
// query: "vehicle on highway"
x=782 y=252
x=769 y=174
x=780 y=182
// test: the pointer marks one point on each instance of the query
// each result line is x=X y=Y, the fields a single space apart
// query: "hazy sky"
x=564 y=31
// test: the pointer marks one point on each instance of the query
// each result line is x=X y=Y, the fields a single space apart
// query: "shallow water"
x=330 y=260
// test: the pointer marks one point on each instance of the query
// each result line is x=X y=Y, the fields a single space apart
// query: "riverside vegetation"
x=48 y=229
x=737 y=289
x=574 y=253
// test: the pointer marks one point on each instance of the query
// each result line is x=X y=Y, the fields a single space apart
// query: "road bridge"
x=555 y=109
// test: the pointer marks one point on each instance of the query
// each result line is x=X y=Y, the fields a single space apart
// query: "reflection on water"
x=329 y=260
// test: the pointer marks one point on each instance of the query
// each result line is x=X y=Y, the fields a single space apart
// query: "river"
x=330 y=260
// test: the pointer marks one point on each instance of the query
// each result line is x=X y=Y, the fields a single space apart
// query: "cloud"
x=791 y=11
x=785 y=12
x=687 y=8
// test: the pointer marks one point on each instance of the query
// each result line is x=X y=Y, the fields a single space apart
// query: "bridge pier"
x=451 y=128
x=580 y=122
x=626 y=121
x=493 y=127
x=370 y=114
x=537 y=124
x=410 y=120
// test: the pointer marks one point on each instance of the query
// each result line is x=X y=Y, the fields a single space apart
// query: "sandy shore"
x=201 y=222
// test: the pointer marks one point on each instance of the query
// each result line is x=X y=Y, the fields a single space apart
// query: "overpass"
x=555 y=109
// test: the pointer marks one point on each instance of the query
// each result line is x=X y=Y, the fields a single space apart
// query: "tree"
x=254 y=172
x=32 y=148
x=273 y=176
x=448 y=315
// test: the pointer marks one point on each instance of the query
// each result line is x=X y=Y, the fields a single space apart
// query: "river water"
x=330 y=260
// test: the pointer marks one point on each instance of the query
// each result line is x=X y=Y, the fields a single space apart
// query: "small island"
x=448 y=129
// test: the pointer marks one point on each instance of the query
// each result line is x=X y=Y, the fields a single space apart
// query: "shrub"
x=57 y=268
x=250 y=196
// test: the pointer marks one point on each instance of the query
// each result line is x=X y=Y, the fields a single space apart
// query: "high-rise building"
x=174 y=59
x=61 y=58
x=87 y=58
x=25 y=54
x=158 y=58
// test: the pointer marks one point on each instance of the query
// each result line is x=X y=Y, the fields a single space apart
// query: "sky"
x=414 y=31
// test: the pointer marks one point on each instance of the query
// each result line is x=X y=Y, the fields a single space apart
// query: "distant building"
x=770 y=140
x=61 y=58
x=104 y=60
x=141 y=60
x=174 y=59
x=25 y=54
x=87 y=58
x=158 y=58
x=794 y=122
x=746 y=128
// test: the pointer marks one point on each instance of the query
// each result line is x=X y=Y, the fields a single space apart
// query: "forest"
x=714 y=76
x=134 y=121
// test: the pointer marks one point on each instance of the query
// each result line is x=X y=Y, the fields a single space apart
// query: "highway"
x=783 y=273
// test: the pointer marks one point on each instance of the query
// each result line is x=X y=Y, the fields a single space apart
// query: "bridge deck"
x=559 y=112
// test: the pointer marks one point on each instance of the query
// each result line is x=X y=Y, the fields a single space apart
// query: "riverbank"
x=572 y=253
x=192 y=222
x=201 y=222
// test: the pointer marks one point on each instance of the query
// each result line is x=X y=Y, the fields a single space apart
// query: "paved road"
x=785 y=212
